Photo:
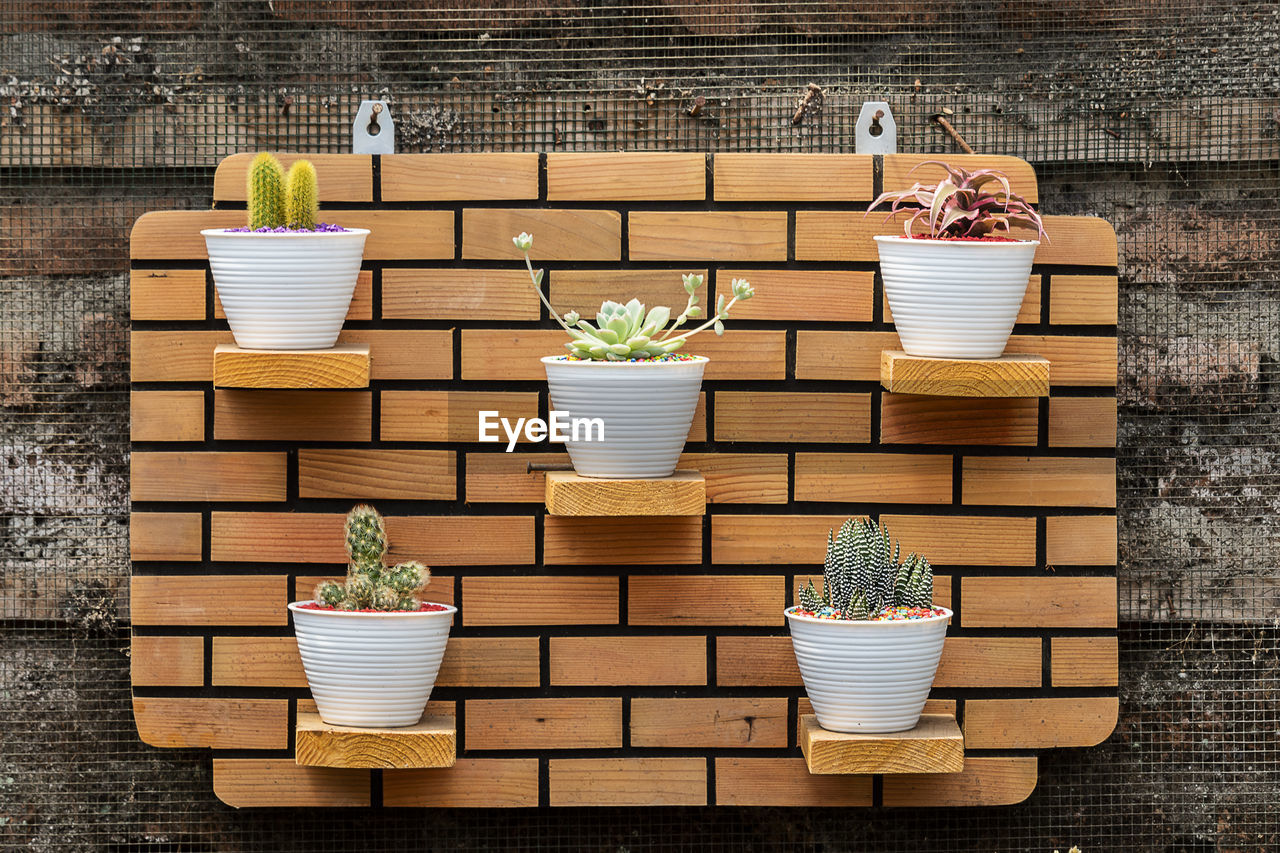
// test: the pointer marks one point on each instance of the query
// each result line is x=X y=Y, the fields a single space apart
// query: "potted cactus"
x=955 y=289
x=285 y=280
x=625 y=372
x=869 y=643
x=370 y=646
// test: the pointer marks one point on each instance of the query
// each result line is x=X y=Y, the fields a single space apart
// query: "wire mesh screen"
x=1163 y=118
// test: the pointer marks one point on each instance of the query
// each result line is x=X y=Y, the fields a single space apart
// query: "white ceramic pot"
x=646 y=408
x=954 y=298
x=867 y=676
x=371 y=669
x=285 y=291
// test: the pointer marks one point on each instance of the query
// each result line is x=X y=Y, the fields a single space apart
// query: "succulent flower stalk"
x=626 y=332
x=963 y=204
x=862 y=575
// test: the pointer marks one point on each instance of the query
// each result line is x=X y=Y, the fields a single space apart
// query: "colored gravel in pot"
x=889 y=614
x=425 y=608
x=670 y=356
x=321 y=228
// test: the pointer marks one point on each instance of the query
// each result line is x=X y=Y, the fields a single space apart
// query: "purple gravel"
x=323 y=226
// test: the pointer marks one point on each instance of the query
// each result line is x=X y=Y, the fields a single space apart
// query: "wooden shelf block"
x=935 y=745
x=1006 y=376
x=343 y=366
x=683 y=493
x=431 y=742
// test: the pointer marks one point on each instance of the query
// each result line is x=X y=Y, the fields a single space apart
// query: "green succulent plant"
x=303 y=203
x=370 y=583
x=862 y=576
x=626 y=332
x=277 y=199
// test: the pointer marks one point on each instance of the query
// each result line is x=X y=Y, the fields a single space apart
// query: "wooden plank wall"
x=618 y=661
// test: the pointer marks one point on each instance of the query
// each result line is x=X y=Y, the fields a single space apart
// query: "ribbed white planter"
x=953 y=298
x=285 y=291
x=647 y=409
x=867 y=676
x=371 y=669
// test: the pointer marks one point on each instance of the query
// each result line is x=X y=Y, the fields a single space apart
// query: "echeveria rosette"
x=963 y=205
x=629 y=332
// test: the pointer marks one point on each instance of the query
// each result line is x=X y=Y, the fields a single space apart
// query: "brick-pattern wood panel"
x=619 y=661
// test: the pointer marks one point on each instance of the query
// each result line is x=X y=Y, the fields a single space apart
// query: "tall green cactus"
x=370 y=584
x=862 y=575
x=266 y=192
x=304 y=196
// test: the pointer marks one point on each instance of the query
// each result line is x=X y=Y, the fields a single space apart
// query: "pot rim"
x=449 y=610
x=556 y=359
x=813 y=620
x=305 y=235
x=934 y=241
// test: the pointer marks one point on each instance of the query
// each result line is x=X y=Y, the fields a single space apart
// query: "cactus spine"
x=266 y=192
x=304 y=196
x=370 y=584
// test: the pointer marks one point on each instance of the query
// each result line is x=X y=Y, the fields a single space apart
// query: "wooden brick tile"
x=504 y=354
x=578 y=723
x=1084 y=299
x=1039 y=481
x=361 y=307
x=628 y=781
x=966 y=540
x=340 y=177
x=364 y=474
x=569 y=541
x=539 y=600
x=682 y=600
x=792 y=416
x=1084 y=661
x=793 y=177
x=608 y=661
x=1081 y=540
x=171 y=536
x=458 y=294
x=861 y=477
x=1073 y=359
x=173 y=356
x=471 y=782
x=292 y=415
x=898 y=172
x=166 y=294
x=1041 y=723
x=490 y=662
x=771 y=539
x=208 y=600
x=1082 y=421
x=983 y=782
x=801 y=296
x=459 y=177
x=842 y=355
x=166 y=661
x=740 y=478
x=179 y=722
x=405 y=353
x=449 y=415
x=919 y=419
x=989 y=662
x=258 y=661
x=559 y=235
x=746 y=235
x=175 y=234
x=584 y=290
x=302 y=537
x=756 y=662
x=217 y=476
x=785 y=782
x=281 y=782
x=166 y=415
x=497 y=477
x=626 y=176
x=709 y=723
x=1039 y=602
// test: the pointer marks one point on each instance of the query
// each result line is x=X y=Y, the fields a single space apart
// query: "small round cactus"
x=266 y=192
x=303 y=204
x=370 y=583
x=329 y=593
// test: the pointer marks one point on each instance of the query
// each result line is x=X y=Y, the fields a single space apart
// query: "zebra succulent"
x=862 y=575
x=370 y=583
x=628 y=332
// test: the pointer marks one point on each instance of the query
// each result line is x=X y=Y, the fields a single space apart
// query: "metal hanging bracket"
x=875 y=131
x=373 y=131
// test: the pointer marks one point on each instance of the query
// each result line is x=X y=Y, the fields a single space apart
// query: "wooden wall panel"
x=609 y=661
